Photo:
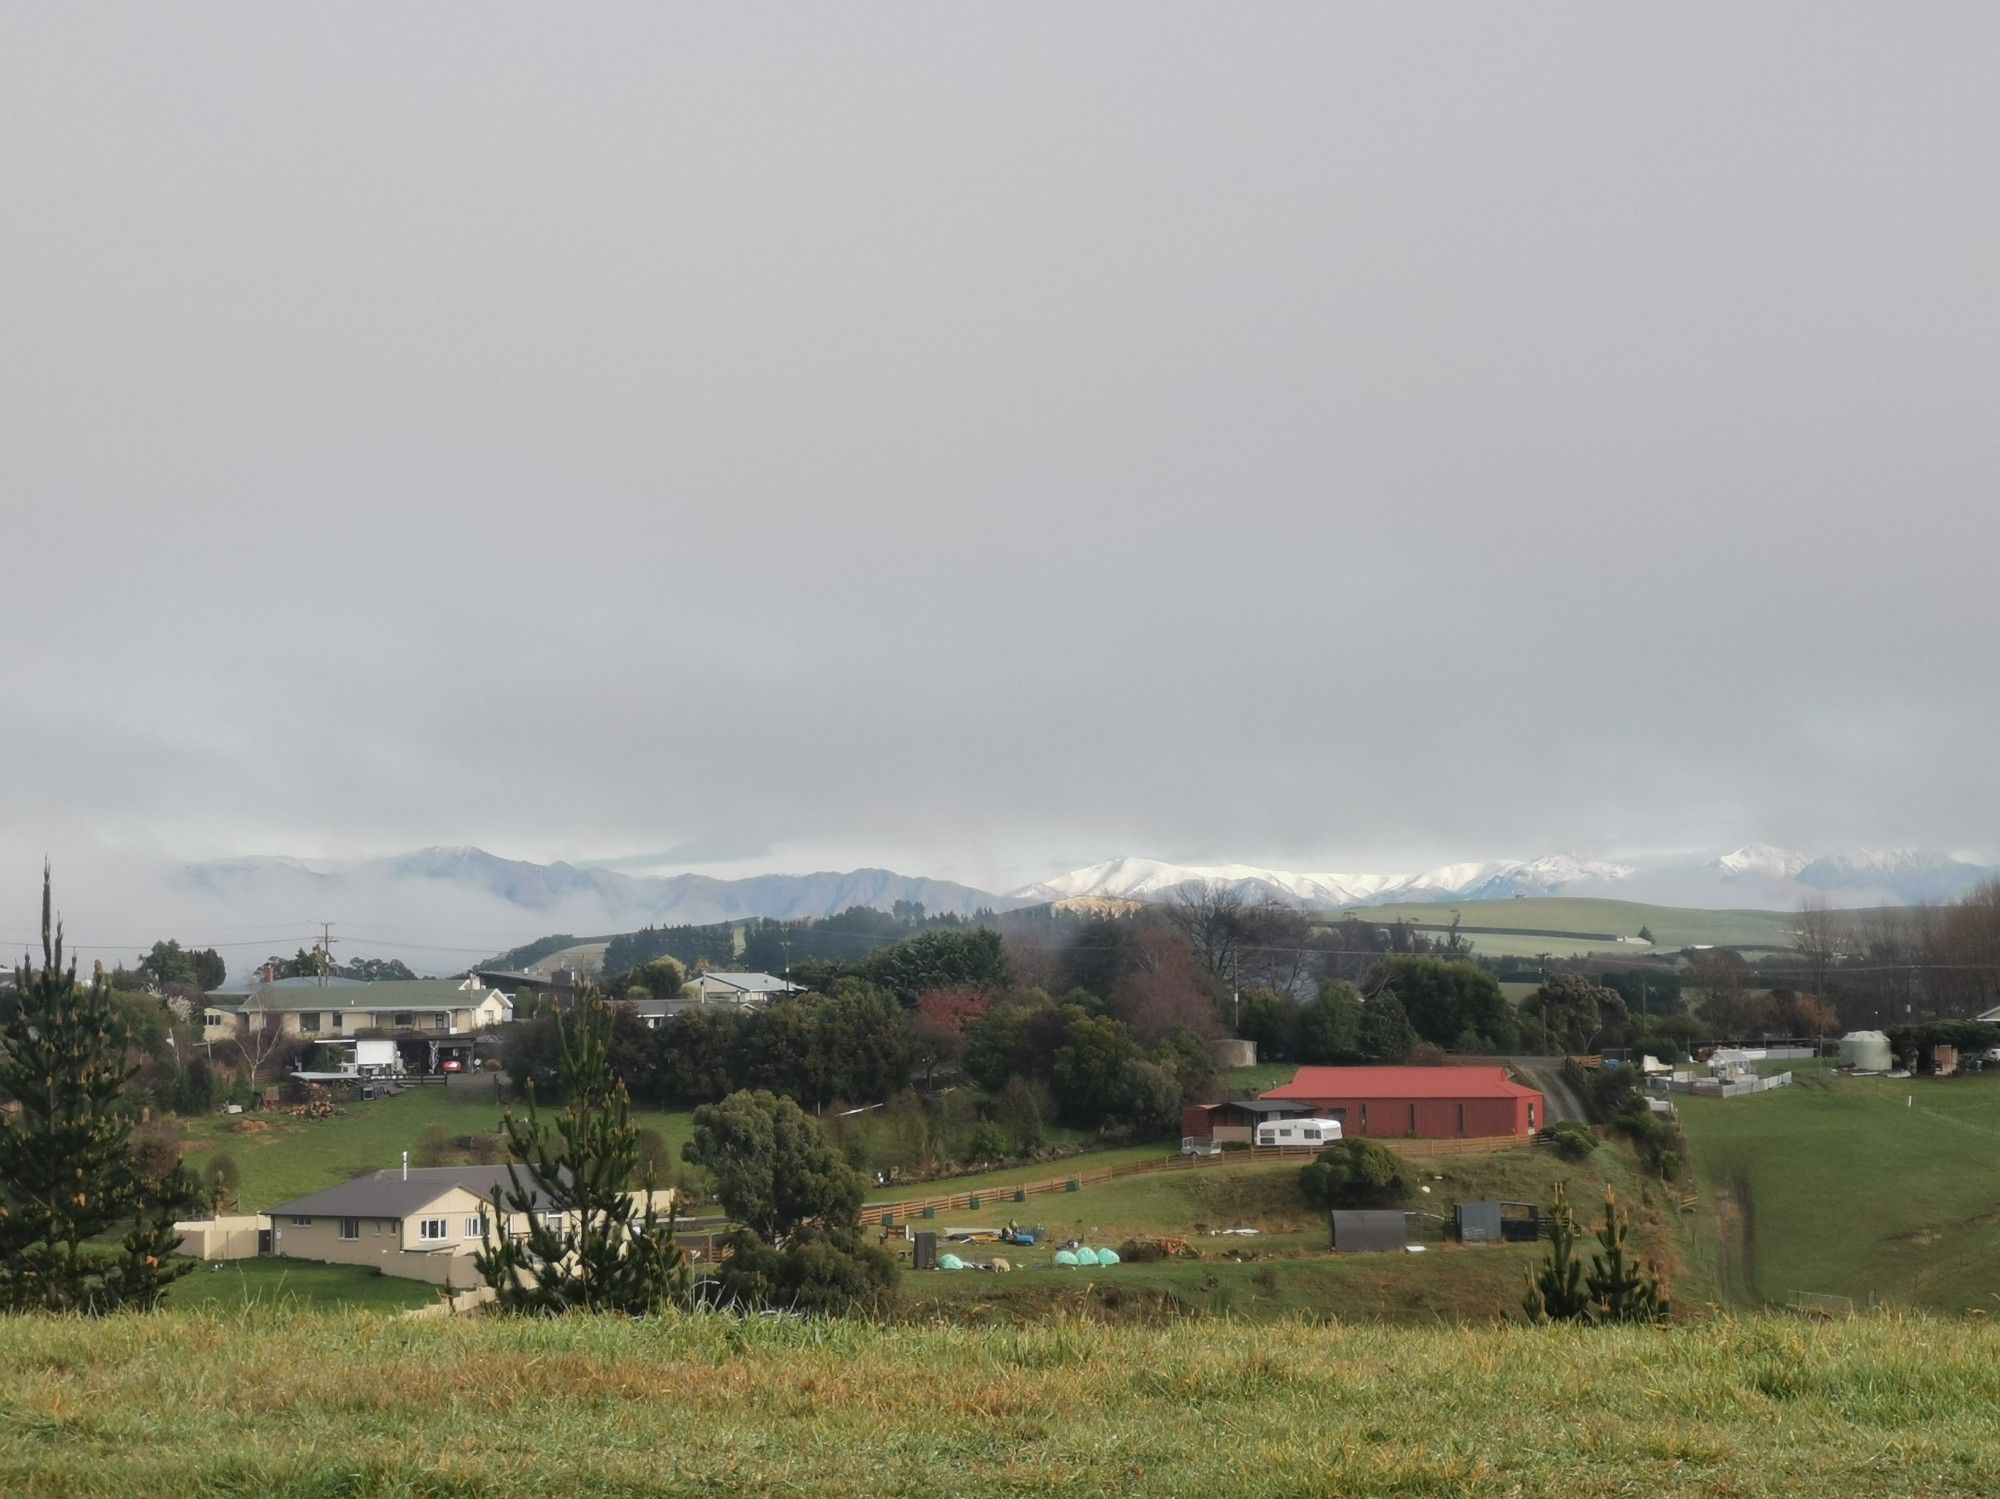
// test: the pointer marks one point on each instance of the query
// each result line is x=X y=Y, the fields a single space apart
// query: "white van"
x=1312 y=1133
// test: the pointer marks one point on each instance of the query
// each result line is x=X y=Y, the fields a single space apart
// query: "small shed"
x=1477 y=1222
x=1366 y=1230
x=1490 y=1221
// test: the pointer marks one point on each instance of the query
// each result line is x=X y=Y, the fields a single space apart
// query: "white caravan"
x=1296 y=1132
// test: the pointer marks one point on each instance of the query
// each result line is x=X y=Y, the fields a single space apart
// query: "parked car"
x=451 y=1064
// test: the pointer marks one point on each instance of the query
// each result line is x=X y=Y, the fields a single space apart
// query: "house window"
x=553 y=1222
x=309 y=1021
x=339 y=1019
x=472 y=1229
x=433 y=1228
x=302 y=1223
x=438 y=1021
x=350 y=1228
x=405 y=1020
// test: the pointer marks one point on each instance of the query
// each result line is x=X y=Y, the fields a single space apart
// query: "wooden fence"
x=917 y=1207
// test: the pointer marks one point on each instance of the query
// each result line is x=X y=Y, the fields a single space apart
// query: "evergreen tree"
x=1617 y=1287
x=1623 y=1288
x=67 y=1168
x=590 y=1244
x=1556 y=1291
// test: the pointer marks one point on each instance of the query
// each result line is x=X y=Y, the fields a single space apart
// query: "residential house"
x=743 y=990
x=431 y=1020
x=422 y=1222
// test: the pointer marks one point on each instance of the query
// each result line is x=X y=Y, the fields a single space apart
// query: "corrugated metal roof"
x=386 y=1194
x=1402 y=1082
x=392 y=994
x=750 y=983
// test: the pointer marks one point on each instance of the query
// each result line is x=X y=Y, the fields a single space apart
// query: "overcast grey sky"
x=982 y=440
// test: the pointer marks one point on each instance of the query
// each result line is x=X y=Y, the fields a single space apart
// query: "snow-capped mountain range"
x=1755 y=876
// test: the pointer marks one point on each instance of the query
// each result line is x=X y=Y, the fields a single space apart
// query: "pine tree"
x=589 y=1244
x=1622 y=1288
x=1556 y=1291
x=67 y=1170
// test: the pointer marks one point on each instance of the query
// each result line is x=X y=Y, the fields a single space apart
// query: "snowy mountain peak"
x=1763 y=859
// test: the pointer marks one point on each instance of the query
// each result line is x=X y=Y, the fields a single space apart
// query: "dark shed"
x=1361 y=1230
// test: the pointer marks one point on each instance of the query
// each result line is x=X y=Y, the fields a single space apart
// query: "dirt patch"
x=1736 y=1235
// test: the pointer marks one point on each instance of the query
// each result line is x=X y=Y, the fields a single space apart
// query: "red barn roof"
x=1402 y=1082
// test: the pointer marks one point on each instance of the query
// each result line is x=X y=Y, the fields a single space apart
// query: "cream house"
x=423 y=1223
x=344 y=1007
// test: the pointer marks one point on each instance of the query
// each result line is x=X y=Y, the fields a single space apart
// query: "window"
x=433 y=1228
x=350 y=1228
x=309 y=1021
x=302 y=1223
x=1311 y=1134
x=339 y=1019
x=405 y=1020
x=472 y=1230
x=553 y=1221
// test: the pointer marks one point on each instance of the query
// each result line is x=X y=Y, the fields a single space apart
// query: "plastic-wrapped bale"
x=1107 y=1256
x=1065 y=1257
x=1086 y=1256
x=950 y=1262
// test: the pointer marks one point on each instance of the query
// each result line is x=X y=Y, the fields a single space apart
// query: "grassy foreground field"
x=343 y=1404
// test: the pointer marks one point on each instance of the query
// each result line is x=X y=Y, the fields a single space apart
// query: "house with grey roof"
x=743 y=990
x=419 y=1222
x=335 y=1008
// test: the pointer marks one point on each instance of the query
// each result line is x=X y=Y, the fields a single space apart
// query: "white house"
x=743 y=990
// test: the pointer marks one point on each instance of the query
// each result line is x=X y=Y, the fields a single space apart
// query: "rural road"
x=1546 y=1073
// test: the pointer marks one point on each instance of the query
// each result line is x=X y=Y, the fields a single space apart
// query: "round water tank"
x=1866 y=1051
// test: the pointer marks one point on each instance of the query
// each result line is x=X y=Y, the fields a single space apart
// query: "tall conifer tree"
x=589 y=1244
x=67 y=1172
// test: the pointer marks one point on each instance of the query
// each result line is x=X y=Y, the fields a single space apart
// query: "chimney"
x=406 y=1165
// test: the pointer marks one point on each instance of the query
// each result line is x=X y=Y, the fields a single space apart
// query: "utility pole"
x=326 y=941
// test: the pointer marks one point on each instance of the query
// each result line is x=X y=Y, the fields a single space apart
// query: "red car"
x=451 y=1064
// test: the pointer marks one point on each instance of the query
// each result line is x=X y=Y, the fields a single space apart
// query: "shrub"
x=1572 y=1141
x=988 y=1143
x=1355 y=1174
x=820 y=1272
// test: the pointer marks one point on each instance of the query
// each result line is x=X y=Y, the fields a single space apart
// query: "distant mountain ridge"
x=431 y=906
x=617 y=898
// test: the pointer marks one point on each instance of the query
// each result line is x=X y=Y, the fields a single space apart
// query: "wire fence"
x=891 y=1213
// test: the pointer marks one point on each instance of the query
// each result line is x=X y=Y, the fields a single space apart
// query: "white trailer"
x=1297 y=1132
x=376 y=1059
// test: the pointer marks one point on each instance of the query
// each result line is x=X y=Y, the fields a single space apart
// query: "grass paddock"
x=342 y=1404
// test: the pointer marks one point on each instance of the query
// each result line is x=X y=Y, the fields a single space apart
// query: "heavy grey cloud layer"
x=983 y=440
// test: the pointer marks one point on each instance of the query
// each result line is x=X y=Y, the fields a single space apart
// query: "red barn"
x=1424 y=1102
